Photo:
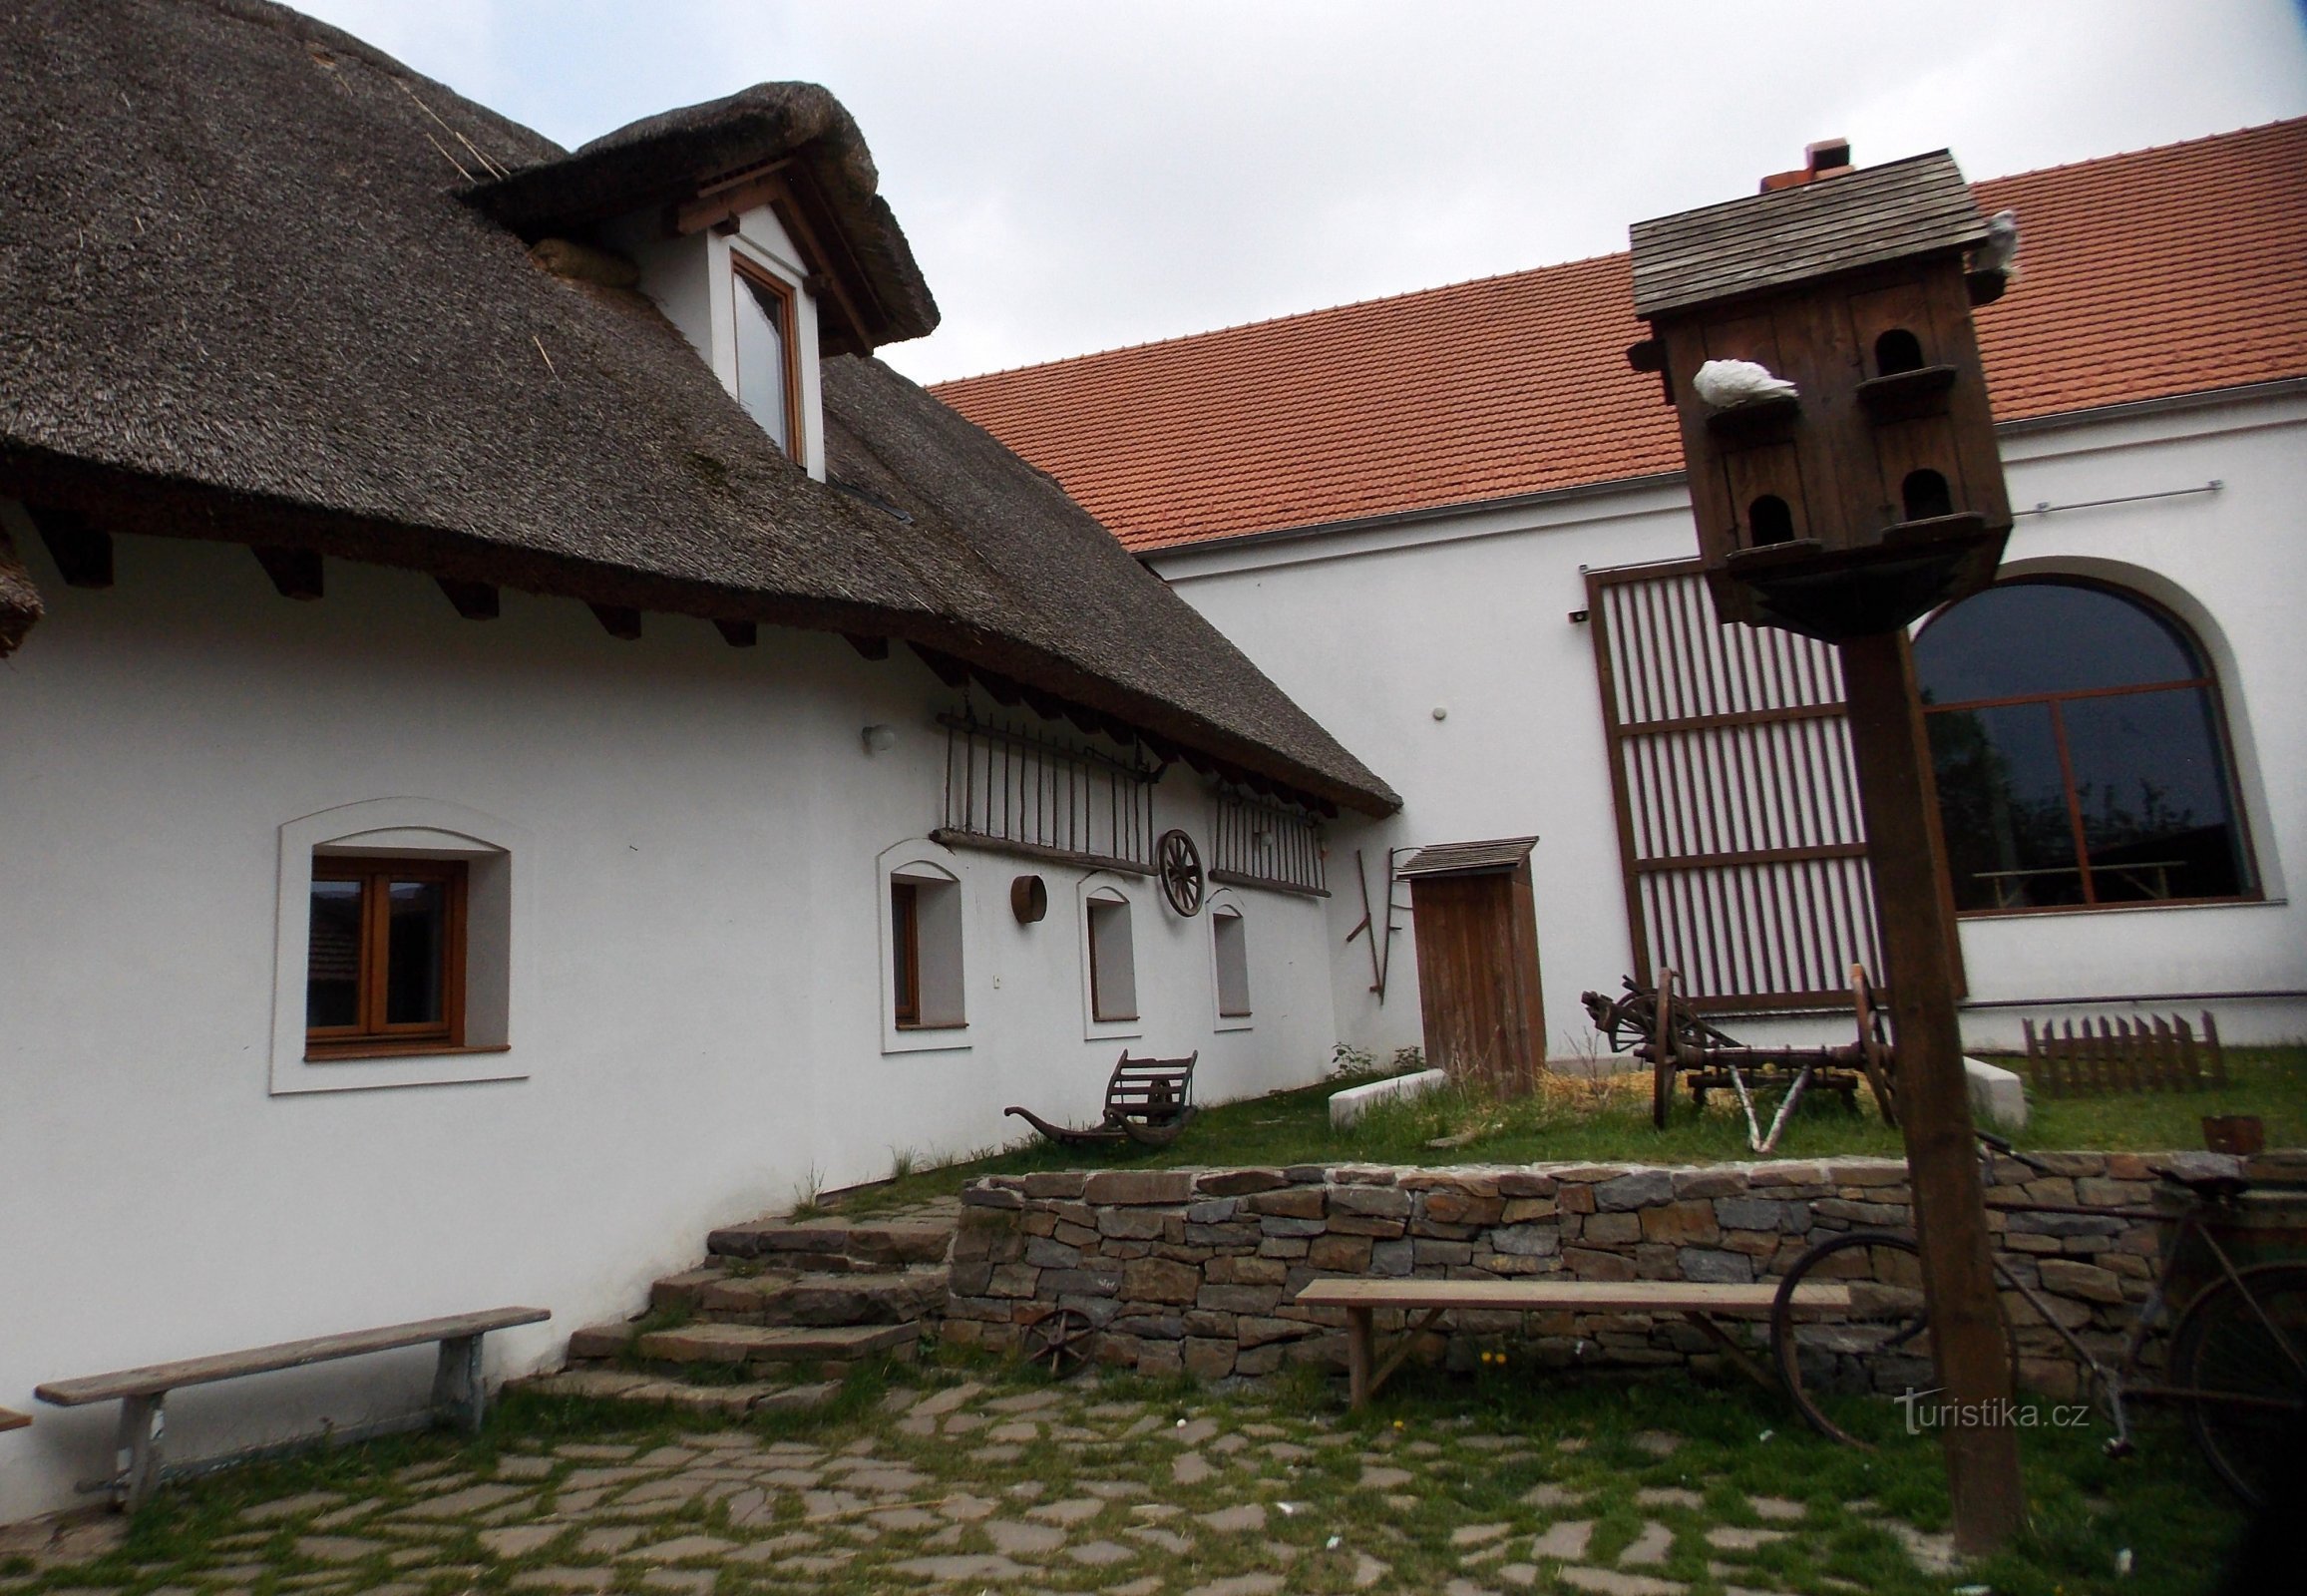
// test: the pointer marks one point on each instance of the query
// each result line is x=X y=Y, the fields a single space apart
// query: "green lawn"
x=1609 y=1122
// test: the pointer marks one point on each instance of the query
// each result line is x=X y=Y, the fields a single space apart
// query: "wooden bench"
x=1147 y=1101
x=458 y=1395
x=1699 y=1303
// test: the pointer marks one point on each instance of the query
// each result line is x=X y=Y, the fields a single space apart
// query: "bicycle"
x=2237 y=1359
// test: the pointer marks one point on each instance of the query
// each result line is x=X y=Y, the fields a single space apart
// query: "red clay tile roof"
x=2162 y=271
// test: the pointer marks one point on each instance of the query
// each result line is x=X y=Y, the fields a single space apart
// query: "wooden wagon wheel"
x=1875 y=1049
x=1662 y=1052
x=1060 y=1340
x=1180 y=864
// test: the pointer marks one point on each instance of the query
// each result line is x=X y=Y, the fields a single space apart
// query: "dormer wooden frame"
x=747 y=272
x=782 y=185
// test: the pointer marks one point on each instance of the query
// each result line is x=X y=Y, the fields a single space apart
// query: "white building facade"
x=1493 y=720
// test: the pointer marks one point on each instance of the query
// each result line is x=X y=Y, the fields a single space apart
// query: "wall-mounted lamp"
x=878 y=739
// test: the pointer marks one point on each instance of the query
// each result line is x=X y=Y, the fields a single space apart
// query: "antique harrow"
x=1660 y=1028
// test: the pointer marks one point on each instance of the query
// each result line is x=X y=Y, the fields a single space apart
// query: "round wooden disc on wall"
x=1029 y=899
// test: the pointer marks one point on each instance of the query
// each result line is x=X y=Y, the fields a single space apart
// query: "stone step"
x=833 y=1244
x=775 y=1297
x=775 y=1344
x=621 y=1385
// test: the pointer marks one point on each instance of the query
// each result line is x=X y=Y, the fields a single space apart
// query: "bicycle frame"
x=2114 y=1382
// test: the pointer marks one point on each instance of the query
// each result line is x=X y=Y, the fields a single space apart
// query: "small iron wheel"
x=1180 y=863
x=1060 y=1340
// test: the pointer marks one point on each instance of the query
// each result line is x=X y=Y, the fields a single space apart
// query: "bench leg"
x=137 y=1453
x=458 y=1395
x=1358 y=1356
x=1739 y=1357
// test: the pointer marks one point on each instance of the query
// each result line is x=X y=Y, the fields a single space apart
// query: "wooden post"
x=1934 y=1107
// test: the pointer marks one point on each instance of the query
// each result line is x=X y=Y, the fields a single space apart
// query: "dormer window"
x=768 y=380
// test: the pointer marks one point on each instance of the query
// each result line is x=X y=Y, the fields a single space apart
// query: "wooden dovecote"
x=1875 y=492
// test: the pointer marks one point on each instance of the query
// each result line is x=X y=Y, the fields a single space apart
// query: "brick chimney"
x=1828 y=158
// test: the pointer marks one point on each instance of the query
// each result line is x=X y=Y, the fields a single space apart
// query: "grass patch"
x=1608 y=1121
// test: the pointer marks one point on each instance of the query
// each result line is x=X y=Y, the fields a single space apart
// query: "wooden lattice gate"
x=1738 y=805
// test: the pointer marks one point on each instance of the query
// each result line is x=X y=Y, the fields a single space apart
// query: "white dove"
x=2001 y=250
x=1724 y=383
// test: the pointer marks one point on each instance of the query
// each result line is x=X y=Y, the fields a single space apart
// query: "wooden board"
x=1576 y=1295
x=10 y=1418
x=158 y=1378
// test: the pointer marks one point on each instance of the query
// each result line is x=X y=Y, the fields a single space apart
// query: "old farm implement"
x=1148 y=1101
x=1660 y=1028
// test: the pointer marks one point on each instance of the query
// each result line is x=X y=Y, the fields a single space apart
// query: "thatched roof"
x=248 y=300
x=661 y=160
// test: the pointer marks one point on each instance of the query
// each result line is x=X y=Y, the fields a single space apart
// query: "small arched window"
x=1769 y=520
x=1895 y=351
x=1230 y=946
x=1112 y=959
x=2081 y=751
x=1925 y=495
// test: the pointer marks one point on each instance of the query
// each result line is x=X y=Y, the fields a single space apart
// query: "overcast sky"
x=1076 y=175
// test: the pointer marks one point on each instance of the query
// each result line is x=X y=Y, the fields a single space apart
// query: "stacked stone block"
x=1198 y=1270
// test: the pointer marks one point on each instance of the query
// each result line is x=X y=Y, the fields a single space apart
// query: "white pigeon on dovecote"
x=1724 y=383
x=2001 y=250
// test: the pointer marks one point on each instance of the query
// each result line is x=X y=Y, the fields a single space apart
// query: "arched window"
x=2080 y=753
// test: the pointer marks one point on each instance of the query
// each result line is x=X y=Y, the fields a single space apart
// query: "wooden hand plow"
x=1660 y=1028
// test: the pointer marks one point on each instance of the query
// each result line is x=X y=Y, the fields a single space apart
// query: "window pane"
x=332 y=955
x=2151 y=781
x=761 y=356
x=2003 y=802
x=2046 y=636
x=414 y=948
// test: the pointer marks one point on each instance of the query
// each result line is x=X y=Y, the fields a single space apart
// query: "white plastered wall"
x=697 y=840
x=1374 y=629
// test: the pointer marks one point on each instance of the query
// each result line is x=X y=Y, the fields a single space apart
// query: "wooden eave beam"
x=474 y=601
x=726 y=198
x=618 y=620
x=868 y=648
x=82 y=552
x=739 y=633
x=944 y=667
x=295 y=572
x=788 y=211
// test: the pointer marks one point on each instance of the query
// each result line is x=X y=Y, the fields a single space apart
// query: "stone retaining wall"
x=1197 y=1269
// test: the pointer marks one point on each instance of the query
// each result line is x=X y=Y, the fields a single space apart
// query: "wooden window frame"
x=372 y=1037
x=905 y=926
x=744 y=272
x=2055 y=700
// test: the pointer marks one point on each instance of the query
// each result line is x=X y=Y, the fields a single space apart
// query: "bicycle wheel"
x=2243 y=1351
x=1882 y=1344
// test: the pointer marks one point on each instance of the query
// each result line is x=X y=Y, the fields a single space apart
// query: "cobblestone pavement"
x=953 y=1485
